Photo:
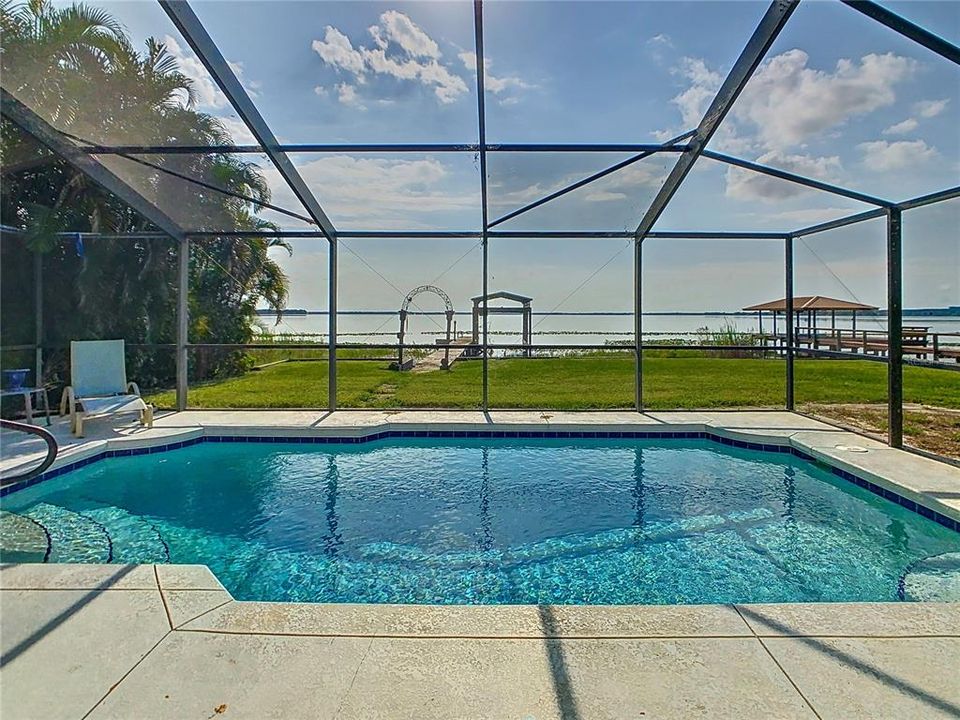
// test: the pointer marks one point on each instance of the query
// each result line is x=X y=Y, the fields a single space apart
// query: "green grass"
x=570 y=383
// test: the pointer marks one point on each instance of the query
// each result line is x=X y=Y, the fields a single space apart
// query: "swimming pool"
x=487 y=520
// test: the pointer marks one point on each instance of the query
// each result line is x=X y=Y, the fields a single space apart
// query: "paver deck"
x=112 y=641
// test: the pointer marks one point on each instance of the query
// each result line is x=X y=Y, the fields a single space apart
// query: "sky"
x=838 y=97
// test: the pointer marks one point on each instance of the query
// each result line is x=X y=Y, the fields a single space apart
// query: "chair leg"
x=78 y=425
x=146 y=416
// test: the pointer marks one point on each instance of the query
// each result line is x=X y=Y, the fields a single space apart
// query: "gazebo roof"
x=811 y=302
x=505 y=295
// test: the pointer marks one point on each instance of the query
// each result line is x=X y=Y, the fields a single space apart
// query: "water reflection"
x=332 y=540
x=790 y=492
x=639 y=500
x=486 y=533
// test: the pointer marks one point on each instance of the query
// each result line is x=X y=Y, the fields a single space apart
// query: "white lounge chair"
x=98 y=373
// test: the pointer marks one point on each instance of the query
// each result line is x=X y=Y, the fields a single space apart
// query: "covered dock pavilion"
x=812 y=305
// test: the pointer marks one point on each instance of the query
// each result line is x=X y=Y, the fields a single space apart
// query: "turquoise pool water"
x=484 y=521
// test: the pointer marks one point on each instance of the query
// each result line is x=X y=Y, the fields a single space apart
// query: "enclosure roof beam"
x=39 y=128
x=587 y=180
x=919 y=201
x=906 y=28
x=798 y=179
x=95 y=149
x=189 y=25
x=476 y=235
x=756 y=48
x=939 y=196
x=840 y=222
x=482 y=148
x=214 y=188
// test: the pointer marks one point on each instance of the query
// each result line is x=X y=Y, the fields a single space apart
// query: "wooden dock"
x=442 y=358
x=918 y=342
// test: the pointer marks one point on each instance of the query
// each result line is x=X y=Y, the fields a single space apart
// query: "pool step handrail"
x=45 y=435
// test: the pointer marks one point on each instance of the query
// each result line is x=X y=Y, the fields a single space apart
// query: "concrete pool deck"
x=166 y=641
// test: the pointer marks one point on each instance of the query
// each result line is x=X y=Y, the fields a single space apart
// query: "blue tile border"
x=499 y=434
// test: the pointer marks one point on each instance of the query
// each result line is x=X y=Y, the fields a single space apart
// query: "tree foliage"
x=76 y=68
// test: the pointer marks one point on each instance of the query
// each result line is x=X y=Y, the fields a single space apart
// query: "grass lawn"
x=572 y=383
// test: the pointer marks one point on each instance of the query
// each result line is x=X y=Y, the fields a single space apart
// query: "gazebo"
x=525 y=309
x=812 y=305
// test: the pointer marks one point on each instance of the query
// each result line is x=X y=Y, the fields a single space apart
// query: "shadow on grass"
x=903 y=686
x=562 y=687
x=55 y=622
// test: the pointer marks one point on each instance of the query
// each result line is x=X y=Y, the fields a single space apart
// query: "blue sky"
x=839 y=97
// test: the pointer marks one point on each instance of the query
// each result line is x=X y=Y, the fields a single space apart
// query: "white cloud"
x=448 y=86
x=658 y=45
x=930 y=108
x=693 y=101
x=749 y=185
x=883 y=156
x=621 y=185
x=337 y=50
x=902 y=128
x=347 y=95
x=402 y=50
x=407 y=34
x=208 y=95
x=239 y=69
x=379 y=193
x=807 y=216
x=321 y=91
x=787 y=102
x=238 y=131
x=604 y=196
x=492 y=83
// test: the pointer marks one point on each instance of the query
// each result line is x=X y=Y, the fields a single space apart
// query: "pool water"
x=485 y=521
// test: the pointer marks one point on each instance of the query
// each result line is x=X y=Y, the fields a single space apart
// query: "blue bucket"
x=15 y=379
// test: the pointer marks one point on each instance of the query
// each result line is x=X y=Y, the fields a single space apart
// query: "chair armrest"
x=132 y=387
x=67 y=400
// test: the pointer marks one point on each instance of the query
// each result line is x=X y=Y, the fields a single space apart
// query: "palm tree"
x=76 y=68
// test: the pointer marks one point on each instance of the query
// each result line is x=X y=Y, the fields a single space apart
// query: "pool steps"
x=73 y=537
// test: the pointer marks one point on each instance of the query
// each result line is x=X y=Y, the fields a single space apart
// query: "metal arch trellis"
x=767 y=30
x=404 y=312
x=426 y=288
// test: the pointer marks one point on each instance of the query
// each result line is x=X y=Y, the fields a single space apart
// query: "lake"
x=561 y=329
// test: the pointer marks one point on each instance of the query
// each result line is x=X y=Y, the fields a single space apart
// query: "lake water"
x=563 y=329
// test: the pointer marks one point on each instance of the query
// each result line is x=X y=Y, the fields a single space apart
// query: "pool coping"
x=195 y=601
x=936 y=504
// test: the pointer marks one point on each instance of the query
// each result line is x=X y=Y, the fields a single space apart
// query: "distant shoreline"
x=949 y=312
